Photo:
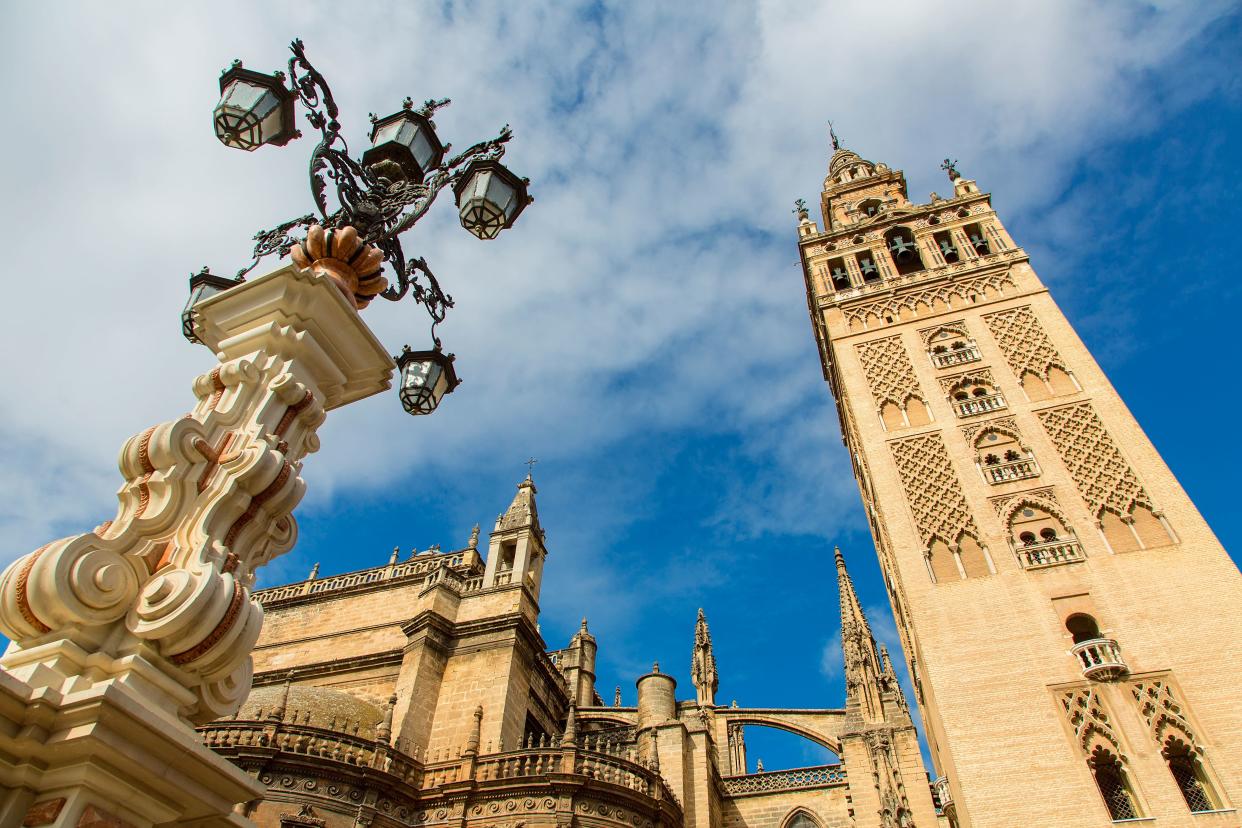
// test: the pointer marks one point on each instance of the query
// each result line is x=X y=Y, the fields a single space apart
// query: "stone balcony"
x=340 y=769
x=955 y=356
x=1051 y=553
x=979 y=405
x=942 y=796
x=795 y=779
x=1013 y=470
x=1100 y=659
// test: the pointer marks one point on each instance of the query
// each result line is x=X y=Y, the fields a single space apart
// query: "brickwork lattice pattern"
x=933 y=490
x=1023 y=341
x=1104 y=478
x=889 y=372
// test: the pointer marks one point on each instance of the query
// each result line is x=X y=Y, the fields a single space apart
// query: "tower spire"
x=864 y=675
x=703 y=663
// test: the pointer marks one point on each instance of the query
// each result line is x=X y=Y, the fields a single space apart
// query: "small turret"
x=864 y=675
x=577 y=663
x=516 y=552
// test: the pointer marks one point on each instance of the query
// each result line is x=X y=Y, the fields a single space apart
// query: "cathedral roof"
x=324 y=707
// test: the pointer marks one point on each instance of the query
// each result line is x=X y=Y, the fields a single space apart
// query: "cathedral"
x=421 y=692
x=1046 y=572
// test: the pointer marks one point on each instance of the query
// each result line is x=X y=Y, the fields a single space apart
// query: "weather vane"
x=951 y=168
x=800 y=208
x=836 y=144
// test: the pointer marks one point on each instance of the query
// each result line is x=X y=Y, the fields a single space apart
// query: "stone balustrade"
x=311 y=755
x=1100 y=658
x=1014 y=470
x=427 y=566
x=1051 y=553
x=821 y=776
x=955 y=356
x=978 y=405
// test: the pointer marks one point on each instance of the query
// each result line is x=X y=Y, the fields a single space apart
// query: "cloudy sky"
x=642 y=330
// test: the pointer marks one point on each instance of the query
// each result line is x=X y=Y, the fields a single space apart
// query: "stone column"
x=125 y=637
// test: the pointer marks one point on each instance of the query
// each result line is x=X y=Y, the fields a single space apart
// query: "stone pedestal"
x=127 y=636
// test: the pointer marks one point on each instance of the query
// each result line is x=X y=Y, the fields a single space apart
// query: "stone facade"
x=1068 y=617
x=421 y=693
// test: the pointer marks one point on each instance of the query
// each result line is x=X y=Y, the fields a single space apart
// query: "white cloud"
x=652 y=290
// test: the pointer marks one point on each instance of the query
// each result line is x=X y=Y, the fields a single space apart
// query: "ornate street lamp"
x=378 y=197
x=489 y=198
x=202 y=284
x=426 y=376
x=254 y=109
x=404 y=146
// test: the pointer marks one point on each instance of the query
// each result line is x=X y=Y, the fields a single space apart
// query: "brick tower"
x=1069 y=619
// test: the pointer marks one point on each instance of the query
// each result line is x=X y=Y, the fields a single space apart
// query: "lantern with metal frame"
x=254 y=109
x=426 y=377
x=202 y=285
x=490 y=198
x=404 y=146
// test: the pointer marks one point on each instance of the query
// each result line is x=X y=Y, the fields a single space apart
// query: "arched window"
x=1110 y=778
x=1027 y=538
x=1189 y=774
x=869 y=208
x=978 y=239
x=1047 y=534
x=975 y=396
x=1082 y=627
x=866 y=266
x=948 y=250
x=904 y=250
x=839 y=275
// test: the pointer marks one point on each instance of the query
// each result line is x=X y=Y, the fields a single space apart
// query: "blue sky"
x=642 y=330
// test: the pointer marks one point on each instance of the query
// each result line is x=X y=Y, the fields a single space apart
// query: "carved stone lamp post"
x=126 y=636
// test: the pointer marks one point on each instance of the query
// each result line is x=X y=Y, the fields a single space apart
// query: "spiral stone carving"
x=339 y=255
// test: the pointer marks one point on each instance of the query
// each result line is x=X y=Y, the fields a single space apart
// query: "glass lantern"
x=254 y=109
x=490 y=198
x=426 y=376
x=202 y=285
x=406 y=140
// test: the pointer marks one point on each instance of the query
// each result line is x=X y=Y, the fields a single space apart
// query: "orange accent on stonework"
x=226 y=623
x=218 y=385
x=43 y=813
x=93 y=817
x=23 y=597
x=144 y=457
x=215 y=456
x=257 y=501
x=293 y=411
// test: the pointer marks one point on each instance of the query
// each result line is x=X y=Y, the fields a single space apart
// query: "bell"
x=979 y=243
x=902 y=250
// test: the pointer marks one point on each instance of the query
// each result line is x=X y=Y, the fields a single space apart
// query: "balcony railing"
x=1013 y=470
x=979 y=405
x=1051 y=553
x=942 y=794
x=955 y=356
x=1100 y=658
x=822 y=776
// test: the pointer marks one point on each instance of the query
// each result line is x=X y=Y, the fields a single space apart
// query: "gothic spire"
x=863 y=672
x=522 y=513
x=703 y=663
x=851 y=611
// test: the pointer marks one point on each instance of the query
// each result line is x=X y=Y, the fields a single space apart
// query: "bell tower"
x=1068 y=618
